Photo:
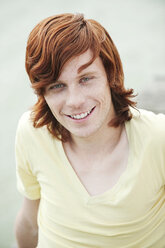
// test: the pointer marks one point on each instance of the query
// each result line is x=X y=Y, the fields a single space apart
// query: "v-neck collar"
x=112 y=192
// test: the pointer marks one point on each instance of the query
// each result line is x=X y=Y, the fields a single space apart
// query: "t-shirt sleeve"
x=162 y=135
x=158 y=145
x=150 y=127
x=27 y=183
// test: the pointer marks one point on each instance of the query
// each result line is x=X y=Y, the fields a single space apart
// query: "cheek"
x=53 y=103
x=105 y=96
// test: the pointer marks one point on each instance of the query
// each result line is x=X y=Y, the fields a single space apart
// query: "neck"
x=101 y=142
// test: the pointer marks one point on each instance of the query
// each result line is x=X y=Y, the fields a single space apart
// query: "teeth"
x=83 y=115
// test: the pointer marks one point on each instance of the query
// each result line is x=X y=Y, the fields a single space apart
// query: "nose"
x=75 y=98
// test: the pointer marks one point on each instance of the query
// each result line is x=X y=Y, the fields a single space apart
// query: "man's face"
x=81 y=102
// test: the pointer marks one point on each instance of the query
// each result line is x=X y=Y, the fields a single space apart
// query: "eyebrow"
x=82 y=74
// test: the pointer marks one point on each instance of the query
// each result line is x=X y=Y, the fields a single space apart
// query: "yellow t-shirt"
x=130 y=215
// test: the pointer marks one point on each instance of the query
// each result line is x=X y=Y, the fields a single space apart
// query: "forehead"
x=72 y=66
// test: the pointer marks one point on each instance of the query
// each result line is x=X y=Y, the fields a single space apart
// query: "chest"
x=126 y=212
x=101 y=174
x=134 y=187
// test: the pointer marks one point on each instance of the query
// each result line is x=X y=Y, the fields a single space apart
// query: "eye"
x=85 y=79
x=56 y=86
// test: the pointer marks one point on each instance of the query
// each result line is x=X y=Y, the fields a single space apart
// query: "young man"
x=90 y=166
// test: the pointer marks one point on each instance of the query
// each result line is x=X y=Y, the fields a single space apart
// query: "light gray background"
x=137 y=28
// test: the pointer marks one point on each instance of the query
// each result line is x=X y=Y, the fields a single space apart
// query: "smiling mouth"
x=81 y=116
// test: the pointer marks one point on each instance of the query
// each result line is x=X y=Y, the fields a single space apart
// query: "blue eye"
x=85 y=79
x=56 y=86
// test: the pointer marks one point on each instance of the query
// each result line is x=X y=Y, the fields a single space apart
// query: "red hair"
x=52 y=43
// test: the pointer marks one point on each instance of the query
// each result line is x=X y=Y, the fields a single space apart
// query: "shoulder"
x=25 y=125
x=26 y=131
x=148 y=123
x=25 y=120
x=147 y=130
x=148 y=118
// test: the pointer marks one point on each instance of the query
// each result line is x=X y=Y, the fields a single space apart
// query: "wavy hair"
x=51 y=44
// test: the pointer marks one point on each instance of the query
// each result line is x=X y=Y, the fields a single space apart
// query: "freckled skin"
x=76 y=93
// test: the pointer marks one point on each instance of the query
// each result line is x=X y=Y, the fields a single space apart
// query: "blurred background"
x=137 y=28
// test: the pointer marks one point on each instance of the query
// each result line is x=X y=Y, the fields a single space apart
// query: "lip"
x=86 y=117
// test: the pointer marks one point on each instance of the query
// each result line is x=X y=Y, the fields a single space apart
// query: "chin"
x=83 y=134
